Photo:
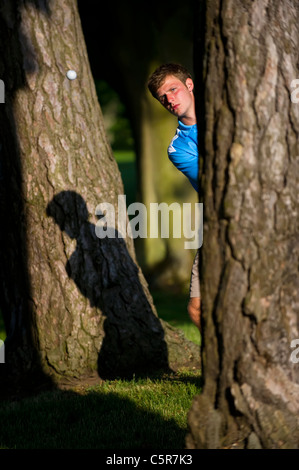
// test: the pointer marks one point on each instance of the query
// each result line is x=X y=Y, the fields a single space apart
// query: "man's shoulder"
x=185 y=136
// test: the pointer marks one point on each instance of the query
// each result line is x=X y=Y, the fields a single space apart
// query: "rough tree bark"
x=249 y=270
x=72 y=303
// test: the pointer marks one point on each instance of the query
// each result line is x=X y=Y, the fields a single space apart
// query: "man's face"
x=176 y=97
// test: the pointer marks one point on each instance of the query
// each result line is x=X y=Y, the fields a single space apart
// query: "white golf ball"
x=71 y=74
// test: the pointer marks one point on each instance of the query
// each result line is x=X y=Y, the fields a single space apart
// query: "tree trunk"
x=249 y=259
x=73 y=303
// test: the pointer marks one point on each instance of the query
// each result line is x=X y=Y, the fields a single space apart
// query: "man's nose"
x=169 y=98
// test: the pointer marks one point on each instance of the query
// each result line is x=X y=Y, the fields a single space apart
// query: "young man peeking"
x=172 y=86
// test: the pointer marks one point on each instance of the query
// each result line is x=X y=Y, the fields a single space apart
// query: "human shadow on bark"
x=106 y=275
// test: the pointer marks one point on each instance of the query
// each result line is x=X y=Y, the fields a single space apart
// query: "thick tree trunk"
x=249 y=272
x=72 y=303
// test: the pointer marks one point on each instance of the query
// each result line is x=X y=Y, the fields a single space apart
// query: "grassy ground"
x=142 y=414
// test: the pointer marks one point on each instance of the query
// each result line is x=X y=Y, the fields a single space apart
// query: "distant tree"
x=247 y=62
x=72 y=303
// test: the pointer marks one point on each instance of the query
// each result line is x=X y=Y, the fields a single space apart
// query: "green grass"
x=138 y=414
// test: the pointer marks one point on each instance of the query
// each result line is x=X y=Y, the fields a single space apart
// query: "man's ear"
x=189 y=84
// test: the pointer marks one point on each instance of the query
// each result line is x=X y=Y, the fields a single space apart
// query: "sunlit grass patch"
x=119 y=414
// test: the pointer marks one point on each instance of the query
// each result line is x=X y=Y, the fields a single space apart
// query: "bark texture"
x=72 y=303
x=249 y=270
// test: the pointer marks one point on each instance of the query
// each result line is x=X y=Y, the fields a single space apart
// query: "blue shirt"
x=183 y=152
